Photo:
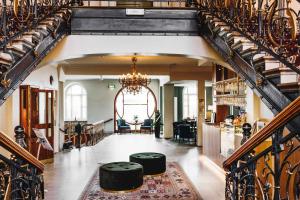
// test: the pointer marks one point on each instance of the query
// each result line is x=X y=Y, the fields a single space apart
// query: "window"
x=75 y=103
x=141 y=105
x=190 y=105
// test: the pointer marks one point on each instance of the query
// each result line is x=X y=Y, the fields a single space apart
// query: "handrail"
x=15 y=148
x=281 y=119
x=108 y=120
x=90 y=126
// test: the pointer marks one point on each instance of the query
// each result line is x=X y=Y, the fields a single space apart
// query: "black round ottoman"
x=153 y=163
x=119 y=176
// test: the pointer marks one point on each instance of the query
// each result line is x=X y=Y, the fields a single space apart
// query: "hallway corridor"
x=66 y=178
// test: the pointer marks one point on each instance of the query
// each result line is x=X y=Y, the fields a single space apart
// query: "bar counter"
x=218 y=144
x=212 y=143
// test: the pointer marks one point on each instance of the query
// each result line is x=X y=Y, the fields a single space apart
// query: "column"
x=168 y=110
x=201 y=111
x=61 y=111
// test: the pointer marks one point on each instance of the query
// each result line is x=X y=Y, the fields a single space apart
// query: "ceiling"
x=107 y=67
x=142 y=60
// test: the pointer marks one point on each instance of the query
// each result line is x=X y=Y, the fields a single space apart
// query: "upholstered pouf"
x=153 y=163
x=118 y=176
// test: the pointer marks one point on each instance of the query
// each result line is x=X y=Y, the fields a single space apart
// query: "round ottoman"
x=119 y=176
x=153 y=163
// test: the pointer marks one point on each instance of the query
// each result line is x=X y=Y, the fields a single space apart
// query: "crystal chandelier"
x=134 y=82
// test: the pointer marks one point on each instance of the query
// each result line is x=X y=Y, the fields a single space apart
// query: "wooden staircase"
x=284 y=78
x=274 y=82
x=23 y=50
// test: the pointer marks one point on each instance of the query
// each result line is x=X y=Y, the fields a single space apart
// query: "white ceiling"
x=142 y=61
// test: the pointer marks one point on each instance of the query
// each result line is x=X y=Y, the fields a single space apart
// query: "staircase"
x=271 y=71
x=251 y=37
x=26 y=38
x=21 y=173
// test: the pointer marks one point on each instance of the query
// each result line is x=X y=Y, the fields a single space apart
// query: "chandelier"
x=134 y=82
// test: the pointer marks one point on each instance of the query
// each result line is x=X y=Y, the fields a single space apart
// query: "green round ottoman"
x=153 y=163
x=119 y=176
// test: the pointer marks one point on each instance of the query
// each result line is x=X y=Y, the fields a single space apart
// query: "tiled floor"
x=67 y=176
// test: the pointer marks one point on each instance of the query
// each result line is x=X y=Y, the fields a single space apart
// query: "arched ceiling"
x=91 y=47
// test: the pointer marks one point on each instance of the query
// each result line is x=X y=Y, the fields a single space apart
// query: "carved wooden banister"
x=16 y=149
x=280 y=120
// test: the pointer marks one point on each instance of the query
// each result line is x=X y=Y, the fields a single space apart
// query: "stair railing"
x=21 y=174
x=273 y=25
x=262 y=170
x=28 y=30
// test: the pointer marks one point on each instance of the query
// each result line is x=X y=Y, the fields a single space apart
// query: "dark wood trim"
x=16 y=149
x=86 y=20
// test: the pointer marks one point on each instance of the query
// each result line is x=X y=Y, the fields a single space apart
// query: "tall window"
x=141 y=105
x=75 y=103
x=190 y=105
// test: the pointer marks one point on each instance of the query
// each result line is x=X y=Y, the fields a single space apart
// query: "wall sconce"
x=111 y=86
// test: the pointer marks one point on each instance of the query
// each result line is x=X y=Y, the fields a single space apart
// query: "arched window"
x=190 y=105
x=141 y=105
x=75 y=103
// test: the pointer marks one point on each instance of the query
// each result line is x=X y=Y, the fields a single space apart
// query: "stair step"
x=25 y=43
x=43 y=29
x=218 y=23
x=35 y=36
x=266 y=63
x=291 y=90
x=234 y=38
x=281 y=75
x=6 y=62
x=242 y=45
x=250 y=52
x=17 y=49
x=5 y=58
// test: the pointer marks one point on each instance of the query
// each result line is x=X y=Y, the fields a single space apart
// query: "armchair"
x=123 y=126
x=147 y=125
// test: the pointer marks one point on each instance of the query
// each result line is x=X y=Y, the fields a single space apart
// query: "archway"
x=132 y=107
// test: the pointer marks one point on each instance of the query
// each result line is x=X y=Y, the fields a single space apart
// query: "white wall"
x=6 y=116
x=10 y=110
x=100 y=99
x=255 y=108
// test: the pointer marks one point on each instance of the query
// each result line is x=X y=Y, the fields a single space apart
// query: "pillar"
x=61 y=110
x=168 y=110
x=201 y=111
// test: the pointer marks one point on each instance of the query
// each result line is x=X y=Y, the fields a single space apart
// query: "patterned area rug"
x=171 y=185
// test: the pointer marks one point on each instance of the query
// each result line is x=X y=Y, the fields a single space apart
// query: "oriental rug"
x=171 y=185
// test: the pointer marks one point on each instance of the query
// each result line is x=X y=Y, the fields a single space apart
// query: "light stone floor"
x=66 y=178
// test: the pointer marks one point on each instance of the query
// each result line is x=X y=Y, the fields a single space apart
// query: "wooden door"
x=37 y=111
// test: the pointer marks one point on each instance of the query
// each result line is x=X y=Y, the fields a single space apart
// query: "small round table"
x=135 y=124
x=119 y=176
x=153 y=163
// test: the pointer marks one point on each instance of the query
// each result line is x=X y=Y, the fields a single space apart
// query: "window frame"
x=122 y=91
x=186 y=103
x=83 y=109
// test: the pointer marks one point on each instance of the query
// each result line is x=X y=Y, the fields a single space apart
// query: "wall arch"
x=71 y=106
x=76 y=46
x=116 y=114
